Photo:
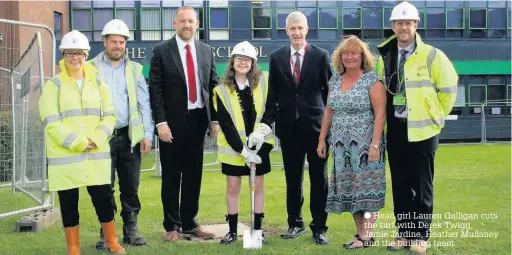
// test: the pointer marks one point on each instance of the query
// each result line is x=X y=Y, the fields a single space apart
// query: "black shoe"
x=131 y=235
x=229 y=238
x=293 y=232
x=100 y=245
x=320 y=238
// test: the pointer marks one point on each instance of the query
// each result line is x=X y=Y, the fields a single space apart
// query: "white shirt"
x=242 y=86
x=410 y=50
x=301 y=52
x=183 y=55
x=80 y=85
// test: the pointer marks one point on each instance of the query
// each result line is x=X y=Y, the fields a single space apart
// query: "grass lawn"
x=469 y=179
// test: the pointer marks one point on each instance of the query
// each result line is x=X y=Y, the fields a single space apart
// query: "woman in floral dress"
x=355 y=115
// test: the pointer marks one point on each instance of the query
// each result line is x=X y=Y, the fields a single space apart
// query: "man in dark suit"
x=181 y=81
x=298 y=80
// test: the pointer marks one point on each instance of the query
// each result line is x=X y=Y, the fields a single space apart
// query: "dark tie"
x=192 y=90
x=400 y=89
x=297 y=67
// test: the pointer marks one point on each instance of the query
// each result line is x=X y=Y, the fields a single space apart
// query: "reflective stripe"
x=69 y=139
x=263 y=84
x=135 y=122
x=78 y=158
x=424 y=123
x=92 y=111
x=430 y=59
x=52 y=118
x=241 y=133
x=71 y=113
x=78 y=112
x=105 y=130
x=133 y=109
x=109 y=113
x=56 y=81
x=224 y=92
x=448 y=90
x=98 y=156
x=228 y=151
x=420 y=84
x=66 y=160
x=269 y=136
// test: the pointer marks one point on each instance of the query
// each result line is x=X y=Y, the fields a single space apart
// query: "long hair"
x=253 y=76
x=352 y=43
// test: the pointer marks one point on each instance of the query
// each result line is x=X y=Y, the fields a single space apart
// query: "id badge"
x=398 y=100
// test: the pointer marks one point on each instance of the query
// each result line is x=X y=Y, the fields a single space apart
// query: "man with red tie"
x=182 y=76
x=298 y=85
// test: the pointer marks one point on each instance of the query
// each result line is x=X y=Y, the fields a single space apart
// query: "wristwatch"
x=376 y=146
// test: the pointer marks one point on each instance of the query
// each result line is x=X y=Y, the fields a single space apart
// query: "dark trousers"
x=127 y=163
x=412 y=173
x=294 y=151
x=101 y=199
x=182 y=166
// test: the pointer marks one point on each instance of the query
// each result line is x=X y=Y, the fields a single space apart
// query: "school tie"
x=400 y=89
x=192 y=90
x=297 y=67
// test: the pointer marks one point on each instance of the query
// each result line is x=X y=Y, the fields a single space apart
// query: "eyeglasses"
x=77 y=54
x=243 y=58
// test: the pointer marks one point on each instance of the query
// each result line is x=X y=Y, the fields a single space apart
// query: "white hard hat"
x=245 y=48
x=116 y=27
x=404 y=11
x=74 y=40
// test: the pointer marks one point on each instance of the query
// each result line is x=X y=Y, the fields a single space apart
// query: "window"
x=100 y=18
x=477 y=91
x=261 y=22
x=351 y=18
x=460 y=100
x=80 y=4
x=168 y=15
x=496 y=88
x=281 y=14
x=372 y=22
x=57 y=25
x=385 y=18
x=128 y=16
x=497 y=22
x=327 y=23
x=436 y=22
x=477 y=22
x=123 y=3
x=103 y=3
x=81 y=21
x=148 y=3
x=219 y=23
x=352 y=21
x=455 y=20
x=150 y=23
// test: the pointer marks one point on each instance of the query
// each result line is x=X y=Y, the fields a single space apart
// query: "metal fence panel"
x=24 y=57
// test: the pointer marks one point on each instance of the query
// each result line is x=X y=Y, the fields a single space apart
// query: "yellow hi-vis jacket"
x=229 y=99
x=430 y=87
x=71 y=118
x=133 y=71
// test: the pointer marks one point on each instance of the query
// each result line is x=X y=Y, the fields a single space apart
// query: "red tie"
x=192 y=90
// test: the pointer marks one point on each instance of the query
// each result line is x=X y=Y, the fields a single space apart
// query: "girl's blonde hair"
x=350 y=44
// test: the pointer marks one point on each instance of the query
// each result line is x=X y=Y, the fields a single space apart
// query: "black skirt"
x=261 y=169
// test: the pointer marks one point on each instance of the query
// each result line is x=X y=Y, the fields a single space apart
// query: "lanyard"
x=295 y=75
